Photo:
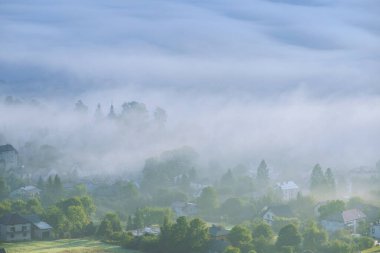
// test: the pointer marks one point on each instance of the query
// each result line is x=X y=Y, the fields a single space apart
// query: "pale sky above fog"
x=293 y=81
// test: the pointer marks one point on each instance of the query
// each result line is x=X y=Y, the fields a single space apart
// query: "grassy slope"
x=64 y=246
x=372 y=250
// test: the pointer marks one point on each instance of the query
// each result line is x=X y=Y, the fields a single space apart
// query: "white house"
x=27 y=192
x=8 y=157
x=375 y=230
x=288 y=190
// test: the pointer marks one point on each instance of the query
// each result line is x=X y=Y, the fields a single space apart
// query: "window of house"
x=25 y=234
x=23 y=228
x=12 y=235
x=12 y=229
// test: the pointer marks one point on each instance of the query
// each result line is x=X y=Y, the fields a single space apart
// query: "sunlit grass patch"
x=64 y=246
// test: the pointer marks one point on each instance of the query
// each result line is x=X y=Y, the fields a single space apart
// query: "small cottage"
x=14 y=227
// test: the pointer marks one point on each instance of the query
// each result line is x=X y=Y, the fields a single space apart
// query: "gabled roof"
x=352 y=214
x=280 y=211
x=289 y=185
x=6 y=148
x=36 y=221
x=13 y=219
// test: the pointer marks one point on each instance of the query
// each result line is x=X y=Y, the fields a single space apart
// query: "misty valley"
x=189 y=126
x=87 y=181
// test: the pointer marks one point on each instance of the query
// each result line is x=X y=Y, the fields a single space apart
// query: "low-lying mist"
x=292 y=131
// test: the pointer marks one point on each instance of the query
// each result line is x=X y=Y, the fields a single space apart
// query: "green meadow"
x=372 y=250
x=64 y=246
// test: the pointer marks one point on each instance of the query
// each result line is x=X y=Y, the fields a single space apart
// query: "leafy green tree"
x=363 y=243
x=179 y=234
x=5 y=207
x=262 y=173
x=232 y=208
x=34 y=206
x=130 y=225
x=165 y=236
x=313 y=237
x=228 y=178
x=88 y=205
x=317 y=180
x=288 y=236
x=78 y=219
x=41 y=183
x=330 y=182
x=110 y=224
x=208 y=200
x=239 y=235
x=197 y=235
x=332 y=207
x=4 y=188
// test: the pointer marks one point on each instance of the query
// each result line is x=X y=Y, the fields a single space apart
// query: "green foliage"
x=262 y=173
x=168 y=170
x=70 y=217
x=363 y=243
x=337 y=246
x=183 y=236
x=262 y=229
x=231 y=249
x=332 y=207
x=280 y=222
x=232 y=209
x=208 y=200
x=239 y=235
x=110 y=224
x=317 y=180
x=4 y=189
x=288 y=236
x=313 y=237
x=303 y=207
x=322 y=183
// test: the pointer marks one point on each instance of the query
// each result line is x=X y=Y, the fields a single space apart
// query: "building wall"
x=39 y=233
x=375 y=231
x=332 y=226
x=19 y=232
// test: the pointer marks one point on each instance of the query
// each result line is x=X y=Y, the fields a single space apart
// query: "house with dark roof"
x=348 y=219
x=269 y=214
x=14 y=227
x=40 y=229
x=8 y=157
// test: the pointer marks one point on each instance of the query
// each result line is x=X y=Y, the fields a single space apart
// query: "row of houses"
x=349 y=220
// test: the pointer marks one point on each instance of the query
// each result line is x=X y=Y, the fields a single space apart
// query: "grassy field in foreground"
x=373 y=250
x=64 y=246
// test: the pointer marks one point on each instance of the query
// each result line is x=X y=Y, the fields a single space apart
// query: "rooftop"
x=287 y=185
x=13 y=219
x=6 y=148
x=352 y=214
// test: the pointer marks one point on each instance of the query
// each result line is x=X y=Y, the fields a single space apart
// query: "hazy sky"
x=287 y=80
